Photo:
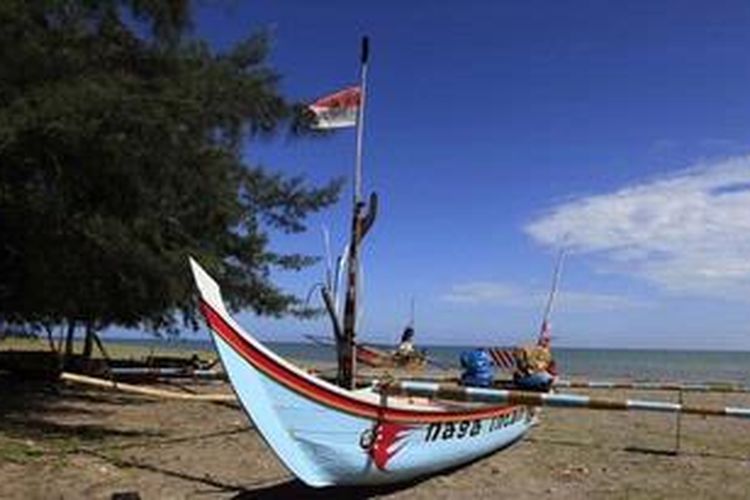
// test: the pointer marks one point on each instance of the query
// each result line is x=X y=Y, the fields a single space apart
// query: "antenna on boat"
x=411 y=313
x=362 y=219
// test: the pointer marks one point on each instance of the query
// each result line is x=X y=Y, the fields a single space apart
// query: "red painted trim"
x=322 y=395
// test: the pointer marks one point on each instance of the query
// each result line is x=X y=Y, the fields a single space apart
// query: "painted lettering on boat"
x=470 y=428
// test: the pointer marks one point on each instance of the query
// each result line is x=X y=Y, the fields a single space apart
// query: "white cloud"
x=505 y=294
x=687 y=233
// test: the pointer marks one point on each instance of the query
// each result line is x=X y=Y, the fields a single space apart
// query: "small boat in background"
x=379 y=357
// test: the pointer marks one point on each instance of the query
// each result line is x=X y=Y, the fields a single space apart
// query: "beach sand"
x=64 y=441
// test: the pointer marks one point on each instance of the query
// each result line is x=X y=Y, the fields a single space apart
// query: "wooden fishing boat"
x=328 y=435
x=378 y=358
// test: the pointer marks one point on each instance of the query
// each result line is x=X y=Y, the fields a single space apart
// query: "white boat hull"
x=326 y=435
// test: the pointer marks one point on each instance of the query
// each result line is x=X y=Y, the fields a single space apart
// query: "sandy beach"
x=65 y=441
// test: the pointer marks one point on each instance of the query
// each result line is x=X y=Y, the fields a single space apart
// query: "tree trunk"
x=88 y=342
x=61 y=339
x=50 y=338
x=69 y=339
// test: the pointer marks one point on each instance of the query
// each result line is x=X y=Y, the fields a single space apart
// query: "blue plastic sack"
x=478 y=368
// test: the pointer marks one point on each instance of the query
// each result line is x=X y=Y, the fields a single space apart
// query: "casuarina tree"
x=122 y=142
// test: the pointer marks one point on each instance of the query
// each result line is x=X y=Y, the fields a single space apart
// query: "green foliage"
x=121 y=153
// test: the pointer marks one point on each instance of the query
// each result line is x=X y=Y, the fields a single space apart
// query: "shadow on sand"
x=26 y=406
x=297 y=489
x=185 y=476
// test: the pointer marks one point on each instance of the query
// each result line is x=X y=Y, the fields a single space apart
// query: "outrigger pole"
x=361 y=222
x=654 y=386
x=499 y=396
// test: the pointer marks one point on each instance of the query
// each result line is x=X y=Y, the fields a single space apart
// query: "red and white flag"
x=337 y=110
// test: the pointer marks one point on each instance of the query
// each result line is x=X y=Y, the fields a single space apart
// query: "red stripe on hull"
x=324 y=396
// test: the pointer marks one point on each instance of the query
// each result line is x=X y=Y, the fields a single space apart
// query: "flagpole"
x=361 y=120
x=348 y=365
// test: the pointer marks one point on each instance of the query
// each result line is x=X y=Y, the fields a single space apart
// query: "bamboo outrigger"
x=504 y=396
x=654 y=386
x=145 y=391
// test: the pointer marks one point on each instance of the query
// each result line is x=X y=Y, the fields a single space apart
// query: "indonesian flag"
x=337 y=110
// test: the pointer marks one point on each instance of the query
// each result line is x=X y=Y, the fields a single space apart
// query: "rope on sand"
x=145 y=391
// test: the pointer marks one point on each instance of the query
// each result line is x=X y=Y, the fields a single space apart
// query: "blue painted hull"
x=326 y=435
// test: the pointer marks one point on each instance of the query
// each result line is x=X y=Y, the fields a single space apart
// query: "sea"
x=599 y=364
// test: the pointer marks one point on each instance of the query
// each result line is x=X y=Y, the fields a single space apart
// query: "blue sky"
x=496 y=129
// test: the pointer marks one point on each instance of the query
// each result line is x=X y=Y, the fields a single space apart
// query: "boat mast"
x=360 y=224
x=544 y=332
